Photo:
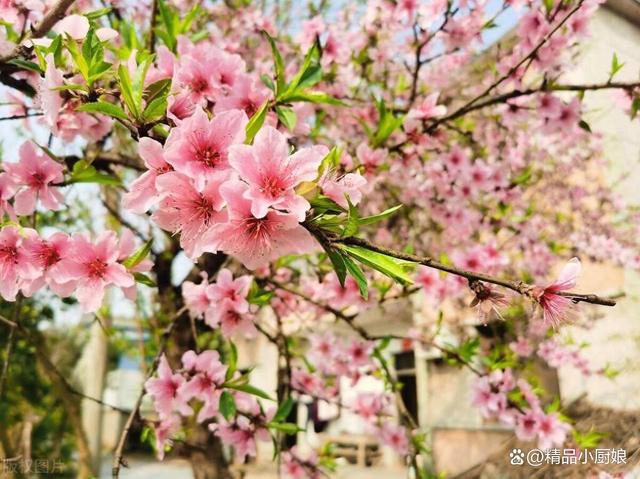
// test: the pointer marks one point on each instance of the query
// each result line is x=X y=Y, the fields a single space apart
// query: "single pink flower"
x=429 y=108
x=360 y=353
x=185 y=210
x=208 y=374
x=34 y=175
x=557 y=309
x=47 y=255
x=528 y=425
x=272 y=174
x=229 y=319
x=164 y=431
x=143 y=192
x=15 y=263
x=7 y=190
x=234 y=291
x=247 y=94
x=257 y=241
x=192 y=79
x=196 y=296
x=198 y=147
x=95 y=267
x=164 y=389
x=369 y=406
x=242 y=434
x=338 y=189
x=552 y=432
x=395 y=437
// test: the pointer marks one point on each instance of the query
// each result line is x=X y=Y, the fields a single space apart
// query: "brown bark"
x=202 y=448
x=71 y=404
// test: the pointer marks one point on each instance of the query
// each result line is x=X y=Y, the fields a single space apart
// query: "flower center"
x=97 y=268
x=9 y=254
x=37 y=180
x=199 y=85
x=272 y=187
x=49 y=257
x=208 y=156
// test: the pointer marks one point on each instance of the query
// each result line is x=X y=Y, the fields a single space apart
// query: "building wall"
x=614 y=339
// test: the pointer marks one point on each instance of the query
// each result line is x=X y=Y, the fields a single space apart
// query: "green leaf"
x=126 y=91
x=284 y=410
x=337 y=259
x=285 y=427
x=278 y=64
x=157 y=89
x=323 y=204
x=358 y=275
x=26 y=65
x=138 y=256
x=392 y=267
x=156 y=109
x=169 y=21
x=94 y=15
x=589 y=439
x=352 y=225
x=105 y=108
x=144 y=279
x=635 y=107
x=85 y=173
x=78 y=58
x=388 y=123
x=331 y=161
x=137 y=86
x=227 y=405
x=585 y=126
x=256 y=122
x=268 y=82
x=232 y=361
x=249 y=389
x=368 y=220
x=309 y=73
x=523 y=177
x=616 y=66
x=259 y=296
x=312 y=97
x=287 y=117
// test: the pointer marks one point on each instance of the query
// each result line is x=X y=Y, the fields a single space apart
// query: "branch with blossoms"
x=231 y=133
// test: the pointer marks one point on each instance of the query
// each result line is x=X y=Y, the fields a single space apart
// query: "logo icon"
x=516 y=457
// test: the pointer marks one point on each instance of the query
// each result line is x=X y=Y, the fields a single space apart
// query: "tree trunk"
x=202 y=448
x=71 y=406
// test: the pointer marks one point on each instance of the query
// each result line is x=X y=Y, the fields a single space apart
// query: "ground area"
x=144 y=468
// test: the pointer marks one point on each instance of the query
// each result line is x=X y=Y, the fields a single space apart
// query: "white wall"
x=615 y=339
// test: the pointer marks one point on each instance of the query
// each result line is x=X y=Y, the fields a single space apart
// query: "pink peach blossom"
x=94 y=266
x=35 y=174
x=185 y=210
x=198 y=147
x=272 y=174
x=257 y=241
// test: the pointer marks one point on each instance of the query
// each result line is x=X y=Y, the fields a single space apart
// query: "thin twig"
x=53 y=16
x=518 y=286
x=118 y=459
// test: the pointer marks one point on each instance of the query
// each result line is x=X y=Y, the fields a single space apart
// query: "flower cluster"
x=556 y=355
x=491 y=394
x=199 y=386
x=66 y=264
x=222 y=304
x=33 y=177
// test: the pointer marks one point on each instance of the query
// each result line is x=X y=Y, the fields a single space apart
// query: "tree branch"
x=118 y=459
x=518 y=286
x=53 y=16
